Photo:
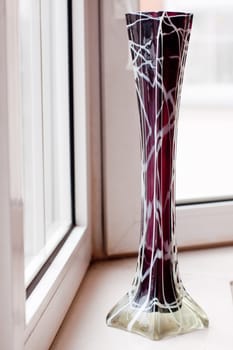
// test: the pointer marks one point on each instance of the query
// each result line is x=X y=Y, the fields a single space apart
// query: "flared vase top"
x=170 y=18
x=159 y=14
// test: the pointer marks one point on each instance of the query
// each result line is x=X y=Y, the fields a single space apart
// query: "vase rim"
x=156 y=14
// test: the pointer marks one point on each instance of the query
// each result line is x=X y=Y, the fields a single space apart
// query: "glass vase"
x=158 y=304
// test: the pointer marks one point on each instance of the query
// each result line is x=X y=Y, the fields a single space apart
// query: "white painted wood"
x=32 y=126
x=65 y=274
x=80 y=110
x=196 y=225
x=204 y=224
x=121 y=147
x=11 y=213
x=52 y=297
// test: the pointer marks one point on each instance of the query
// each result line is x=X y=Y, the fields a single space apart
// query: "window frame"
x=59 y=284
x=11 y=213
x=48 y=141
x=198 y=224
x=24 y=323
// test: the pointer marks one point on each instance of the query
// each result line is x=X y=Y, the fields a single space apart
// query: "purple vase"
x=157 y=304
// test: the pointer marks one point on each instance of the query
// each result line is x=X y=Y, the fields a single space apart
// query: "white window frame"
x=208 y=224
x=41 y=96
x=26 y=327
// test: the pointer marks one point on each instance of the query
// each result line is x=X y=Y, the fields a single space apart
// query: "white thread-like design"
x=157 y=286
x=141 y=53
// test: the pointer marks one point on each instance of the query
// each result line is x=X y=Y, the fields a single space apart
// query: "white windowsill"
x=206 y=275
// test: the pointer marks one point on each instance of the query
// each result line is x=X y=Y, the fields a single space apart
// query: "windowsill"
x=206 y=275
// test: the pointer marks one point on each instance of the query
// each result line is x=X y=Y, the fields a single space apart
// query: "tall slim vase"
x=157 y=304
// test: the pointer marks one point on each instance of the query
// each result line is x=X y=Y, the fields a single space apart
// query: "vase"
x=157 y=304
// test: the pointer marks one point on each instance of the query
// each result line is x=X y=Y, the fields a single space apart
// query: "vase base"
x=157 y=325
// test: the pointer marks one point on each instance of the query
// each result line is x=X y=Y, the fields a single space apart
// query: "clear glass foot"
x=156 y=325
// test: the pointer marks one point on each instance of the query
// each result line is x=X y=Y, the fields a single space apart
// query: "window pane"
x=46 y=128
x=56 y=139
x=206 y=115
x=204 y=171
